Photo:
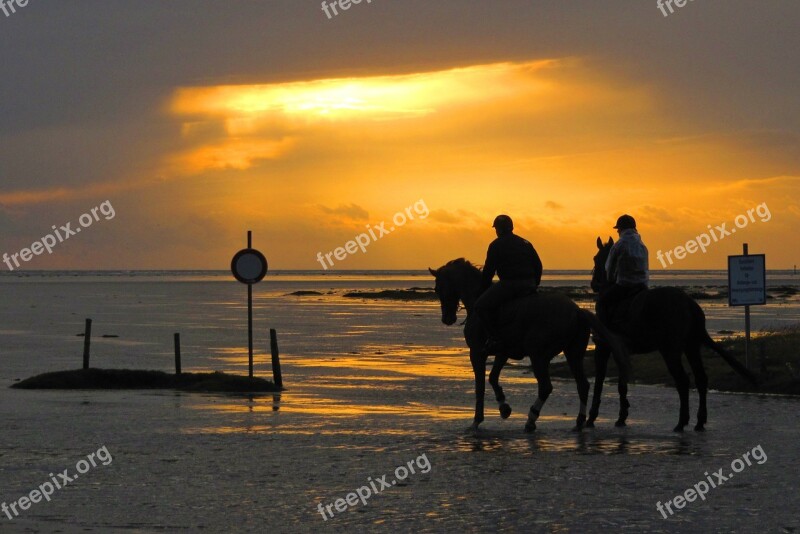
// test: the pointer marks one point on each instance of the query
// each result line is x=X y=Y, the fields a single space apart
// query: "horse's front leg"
x=478 y=359
x=494 y=380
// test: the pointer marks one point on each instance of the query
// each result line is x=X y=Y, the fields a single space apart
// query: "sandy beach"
x=371 y=386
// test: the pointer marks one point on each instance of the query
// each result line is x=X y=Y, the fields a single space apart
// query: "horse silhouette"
x=665 y=319
x=539 y=326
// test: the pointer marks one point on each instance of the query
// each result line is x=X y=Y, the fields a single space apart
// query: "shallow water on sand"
x=370 y=387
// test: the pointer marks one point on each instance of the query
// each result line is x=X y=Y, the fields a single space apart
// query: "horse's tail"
x=705 y=340
x=621 y=356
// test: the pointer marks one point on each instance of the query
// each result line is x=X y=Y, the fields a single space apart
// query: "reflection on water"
x=329 y=407
x=303 y=430
x=398 y=360
x=401 y=361
x=415 y=391
x=585 y=442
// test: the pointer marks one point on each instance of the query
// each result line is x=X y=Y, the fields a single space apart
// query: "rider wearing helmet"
x=627 y=268
x=517 y=266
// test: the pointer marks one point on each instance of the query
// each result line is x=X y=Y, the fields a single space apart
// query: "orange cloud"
x=234 y=153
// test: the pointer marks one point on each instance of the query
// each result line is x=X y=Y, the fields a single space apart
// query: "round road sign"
x=249 y=266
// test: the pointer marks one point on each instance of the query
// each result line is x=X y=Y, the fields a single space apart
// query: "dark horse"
x=543 y=326
x=667 y=320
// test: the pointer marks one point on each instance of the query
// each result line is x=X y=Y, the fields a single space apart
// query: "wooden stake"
x=177 y=354
x=276 y=360
x=87 y=340
x=746 y=323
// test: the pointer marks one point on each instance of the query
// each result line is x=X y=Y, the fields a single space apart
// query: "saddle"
x=505 y=322
x=507 y=313
x=620 y=314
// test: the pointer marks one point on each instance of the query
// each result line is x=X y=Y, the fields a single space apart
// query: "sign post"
x=249 y=266
x=747 y=286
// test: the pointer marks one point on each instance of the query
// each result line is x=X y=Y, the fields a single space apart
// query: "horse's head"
x=450 y=285
x=599 y=275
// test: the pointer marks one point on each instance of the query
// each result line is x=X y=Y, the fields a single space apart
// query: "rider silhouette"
x=627 y=269
x=517 y=266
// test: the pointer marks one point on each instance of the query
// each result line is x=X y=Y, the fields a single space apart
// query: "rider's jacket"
x=513 y=258
x=627 y=263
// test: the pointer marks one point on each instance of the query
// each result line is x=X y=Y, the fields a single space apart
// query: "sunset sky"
x=198 y=120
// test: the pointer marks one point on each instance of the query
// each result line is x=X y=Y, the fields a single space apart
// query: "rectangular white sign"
x=747 y=280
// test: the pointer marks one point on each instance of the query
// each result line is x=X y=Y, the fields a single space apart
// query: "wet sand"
x=188 y=462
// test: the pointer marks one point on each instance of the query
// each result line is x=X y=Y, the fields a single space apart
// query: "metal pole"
x=250 y=313
x=746 y=323
x=87 y=340
x=250 y=326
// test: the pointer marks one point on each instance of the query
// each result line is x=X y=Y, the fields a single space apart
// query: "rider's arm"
x=611 y=264
x=537 y=267
x=489 y=268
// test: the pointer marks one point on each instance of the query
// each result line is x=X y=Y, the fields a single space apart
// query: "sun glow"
x=374 y=97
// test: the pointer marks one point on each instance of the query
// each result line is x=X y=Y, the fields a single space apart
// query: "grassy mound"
x=396 y=294
x=781 y=351
x=136 y=379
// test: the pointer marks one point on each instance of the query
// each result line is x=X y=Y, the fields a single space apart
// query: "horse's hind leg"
x=701 y=381
x=601 y=355
x=574 y=357
x=541 y=369
x=622 y=387
x=675 y=367
x=494 y=380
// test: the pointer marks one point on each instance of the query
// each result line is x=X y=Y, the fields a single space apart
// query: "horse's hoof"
x=589 y=424
x=530 y=427
x=620 y=423
x=699 y=428
x=580 y=421
x=473 y=429
x=678 y=428
x=505 y=410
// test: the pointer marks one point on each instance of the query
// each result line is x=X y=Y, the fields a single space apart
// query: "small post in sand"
x=87 y=340
x=177 y=354
x=276 y=361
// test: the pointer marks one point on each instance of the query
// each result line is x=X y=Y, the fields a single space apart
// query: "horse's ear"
x=610 y=241
x=434 y=273
x=599 y=243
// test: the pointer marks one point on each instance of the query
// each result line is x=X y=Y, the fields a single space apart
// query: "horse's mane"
x=459 y=262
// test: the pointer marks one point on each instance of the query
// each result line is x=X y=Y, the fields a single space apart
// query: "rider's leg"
x=488 y=303
x=609 y=300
